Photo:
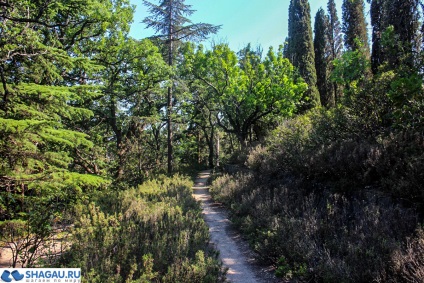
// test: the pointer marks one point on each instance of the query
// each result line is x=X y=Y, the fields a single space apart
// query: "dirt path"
x=234 y=252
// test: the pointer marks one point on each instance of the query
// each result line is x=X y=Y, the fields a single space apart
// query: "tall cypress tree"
x=300 y=49
x=354 y=26
x=378 y=26
x=335 y=41
x=322 y=58
x=403 y=15
x=169 y=20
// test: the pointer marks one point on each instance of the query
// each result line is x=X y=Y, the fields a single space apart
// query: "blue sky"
x=259 y=22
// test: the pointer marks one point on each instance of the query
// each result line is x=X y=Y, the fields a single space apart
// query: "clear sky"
x=259 y=22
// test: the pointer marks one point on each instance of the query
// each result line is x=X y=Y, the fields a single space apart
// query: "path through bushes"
x=234 y=252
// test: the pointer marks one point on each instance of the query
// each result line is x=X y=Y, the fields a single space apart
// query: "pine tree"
x=300 y=49
x=355 y=27
x=335 y=41
x=322 y=58
x=169 y=20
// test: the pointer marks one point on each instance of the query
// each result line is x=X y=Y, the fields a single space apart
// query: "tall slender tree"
x=355 y=26
x=378 y=26
x=300 y=49
x=169 y=20
x=402 y=17
x=335 y=41
x=322 y=58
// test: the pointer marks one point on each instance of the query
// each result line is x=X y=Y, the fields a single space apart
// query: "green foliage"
x=130 y=108
x=285 y=270
x=327 y=188
x=169 y=19
x=396 y=22
x=46 y=77
x=351 y=70
x=300 y=50
x=335 y=42
x=323 y=57
x=247 y=93
x=151 y=233
x=355 y=27
x=84 y=105
x=31 y=231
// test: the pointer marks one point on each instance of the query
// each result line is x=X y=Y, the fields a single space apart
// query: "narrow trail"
x=233 y=251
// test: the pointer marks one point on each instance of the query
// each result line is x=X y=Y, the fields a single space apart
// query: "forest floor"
x=5 y=257
x=234 y=252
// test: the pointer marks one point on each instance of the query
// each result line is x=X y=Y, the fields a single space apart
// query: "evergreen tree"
x=300 y=49
x=399 y=19
x=169 y=20
x=403 y=15
x=46 y=71
x=44 y=68
x=323 y=58
x=355 y=27
x=335 y=41
x=378 y=26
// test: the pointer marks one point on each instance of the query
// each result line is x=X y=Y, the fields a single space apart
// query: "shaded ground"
x=234 y=251
x=5 y=257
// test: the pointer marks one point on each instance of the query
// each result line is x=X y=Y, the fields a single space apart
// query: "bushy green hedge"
x=153 y=233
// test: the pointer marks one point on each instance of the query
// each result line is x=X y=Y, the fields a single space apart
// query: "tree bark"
x=169 y=99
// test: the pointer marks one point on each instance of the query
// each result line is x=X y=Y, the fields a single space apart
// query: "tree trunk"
x=211 y=149
x=169 y=127
x=217 y=149
x=169 y=99
x=120 y=150
x=199 y=160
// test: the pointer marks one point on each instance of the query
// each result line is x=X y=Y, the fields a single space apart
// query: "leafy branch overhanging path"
x=234 y=254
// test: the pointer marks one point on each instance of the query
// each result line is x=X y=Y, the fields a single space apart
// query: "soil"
x=5 y=257
x=234 y=252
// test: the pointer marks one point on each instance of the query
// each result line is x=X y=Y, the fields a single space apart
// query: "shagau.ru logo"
x=45 y=275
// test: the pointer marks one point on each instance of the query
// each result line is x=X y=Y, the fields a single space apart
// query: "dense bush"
x=331 y=147
x=317 y=234
x=153 y=233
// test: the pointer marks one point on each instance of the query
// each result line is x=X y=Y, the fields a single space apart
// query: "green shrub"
x=152 y=229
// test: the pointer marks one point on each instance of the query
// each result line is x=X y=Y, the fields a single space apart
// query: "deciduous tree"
x=248 y=90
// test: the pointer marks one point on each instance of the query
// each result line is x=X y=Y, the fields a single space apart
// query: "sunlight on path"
x=231 y=253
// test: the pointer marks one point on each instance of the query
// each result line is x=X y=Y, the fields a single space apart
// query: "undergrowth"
x=333 y=196
x=152 y=233
x=319 y=235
